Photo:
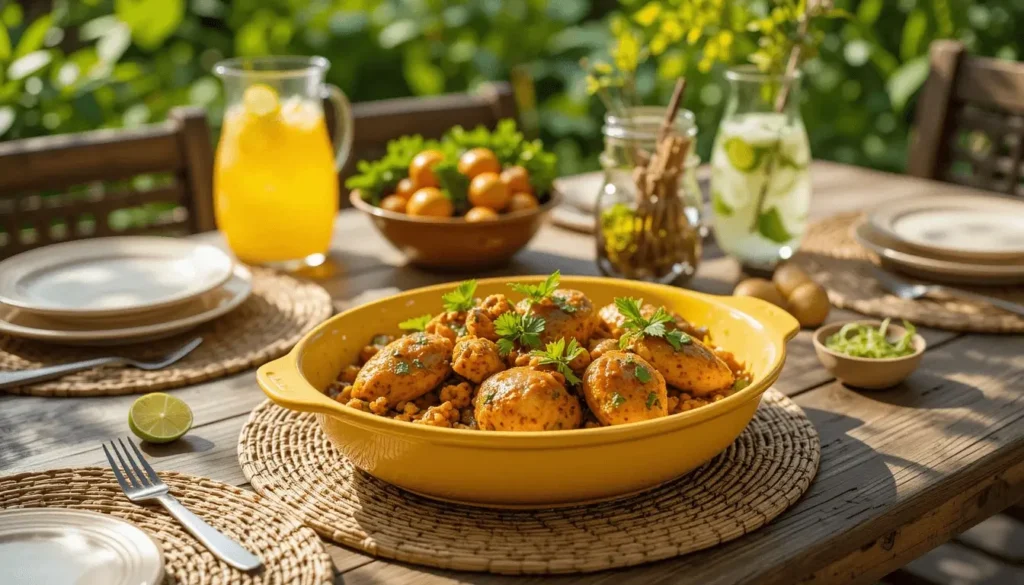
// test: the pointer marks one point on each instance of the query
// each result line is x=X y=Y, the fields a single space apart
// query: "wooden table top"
x=901 y=470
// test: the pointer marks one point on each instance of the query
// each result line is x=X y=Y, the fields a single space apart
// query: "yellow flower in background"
x=626 y=52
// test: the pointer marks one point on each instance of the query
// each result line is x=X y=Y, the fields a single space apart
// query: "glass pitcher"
x=760 y=171
x=275 y=175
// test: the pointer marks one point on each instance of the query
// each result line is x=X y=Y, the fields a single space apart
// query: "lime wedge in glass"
x=260 y=100
x=742 y=156
x=159 y=418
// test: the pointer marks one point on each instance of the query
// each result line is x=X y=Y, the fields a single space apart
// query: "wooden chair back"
x=154 y=180
x=970 y=121
x=378 y=122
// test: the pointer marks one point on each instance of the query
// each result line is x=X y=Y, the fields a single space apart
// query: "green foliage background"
x=70 y=65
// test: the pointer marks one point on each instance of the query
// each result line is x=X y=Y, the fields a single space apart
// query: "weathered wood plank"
x=1000 y=537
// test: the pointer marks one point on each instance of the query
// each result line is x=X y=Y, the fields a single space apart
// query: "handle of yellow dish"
x=777 y=320
x=281 y=381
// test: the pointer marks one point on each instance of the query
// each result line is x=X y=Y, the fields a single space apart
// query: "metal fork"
x=146 y=487
x=12 y=379
x=910 y=291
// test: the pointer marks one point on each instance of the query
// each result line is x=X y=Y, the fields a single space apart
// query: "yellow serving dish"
x=531 y=469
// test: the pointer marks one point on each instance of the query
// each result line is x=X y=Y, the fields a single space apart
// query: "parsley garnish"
x=401 y=368
x=536 y=293
x=559 y=355
x=643 y=375
x=637 y=326
x=416 y=362
x=460 y=299
x=617 y=400
x=512 y=328
x=652 y=400
x=416 y=323
x=488 y=397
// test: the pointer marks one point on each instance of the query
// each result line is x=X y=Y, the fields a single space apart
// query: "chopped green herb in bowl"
x=869 y=354
x=865 y=341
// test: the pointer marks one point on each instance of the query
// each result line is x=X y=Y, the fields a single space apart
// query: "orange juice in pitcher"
x=275 y=177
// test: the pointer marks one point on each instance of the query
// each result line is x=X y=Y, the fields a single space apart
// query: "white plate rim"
x=153 y=577
x=882 y=216
x=129 y=334
x=861 y=232
x=16 y=267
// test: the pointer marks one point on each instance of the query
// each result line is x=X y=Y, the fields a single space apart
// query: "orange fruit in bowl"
x=487 y=190
x=516 y=179
x=421 y=169
x=478 y=214
x=521 y=201
x=395 y=203
x=429 y=202
x=478 y=160
x=405 y=188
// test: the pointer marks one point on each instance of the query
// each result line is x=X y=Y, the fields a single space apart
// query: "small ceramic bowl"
x=454 y=243
x=867 y=373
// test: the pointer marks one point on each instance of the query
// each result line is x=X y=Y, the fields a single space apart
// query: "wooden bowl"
x=867 y=373
x=454 y=243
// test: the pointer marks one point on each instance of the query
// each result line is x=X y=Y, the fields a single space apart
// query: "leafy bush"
x=107 y=63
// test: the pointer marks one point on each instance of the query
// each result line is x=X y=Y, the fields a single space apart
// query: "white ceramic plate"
x=49 y=545
x=895 y=257
x=969 y=226
x=111 y=276
x=132 y=328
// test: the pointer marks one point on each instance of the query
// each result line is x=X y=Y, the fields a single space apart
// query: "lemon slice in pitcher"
x=260 y=100
x=159 y=418
x=742 y=156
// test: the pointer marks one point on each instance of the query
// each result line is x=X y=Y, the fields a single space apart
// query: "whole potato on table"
x=809 y=304
x=760 y=288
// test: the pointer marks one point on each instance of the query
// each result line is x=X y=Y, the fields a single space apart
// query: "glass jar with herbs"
x=663 y=245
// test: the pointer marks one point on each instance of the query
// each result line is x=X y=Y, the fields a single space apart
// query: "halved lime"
x=260 y=100
x=742 y=156
x=159 y=418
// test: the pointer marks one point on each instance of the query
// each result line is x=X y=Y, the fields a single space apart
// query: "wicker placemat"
x=833 y=257
x=288 y=459
x=291 y=553
x=280 y=310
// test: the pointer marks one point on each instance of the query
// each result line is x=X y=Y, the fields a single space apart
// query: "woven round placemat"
x=288 y=459
x=279 y=312
x=833 y=257
x=291 y=553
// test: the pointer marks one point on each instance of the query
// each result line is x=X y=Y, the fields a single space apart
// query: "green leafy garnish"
x=513 y=327
x=558 y=354
x=402 y=368
x=719 y=205
x=416 y=362
x=536 y=293
x=858 y=340
x=488 y=398
x=617 y=400
x=460 y=299
x=643 y=375
x=637 y=326
x=416 y=323
x=378 y=178
x=769 y=225
x=652 y=400
x=454 y=184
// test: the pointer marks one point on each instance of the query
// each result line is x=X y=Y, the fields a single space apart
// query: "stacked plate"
x=963 y=239
x=113 y=291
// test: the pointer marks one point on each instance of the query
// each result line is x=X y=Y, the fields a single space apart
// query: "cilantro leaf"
x=558 y=354
x=416 y=323
x=536 y=293
x=643 y=375
x=513 y=327
x=402 y=368
x=488 y=397
x=416 y=362
x=461 y=298
x=637 y=326
x=617 y=400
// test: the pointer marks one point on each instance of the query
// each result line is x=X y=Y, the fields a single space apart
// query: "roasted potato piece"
x=694 y=368
x=476 y=358
x=525 y=399
x=450 y=324
x=622 y=388
x=558 y=323
x=405 y=369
